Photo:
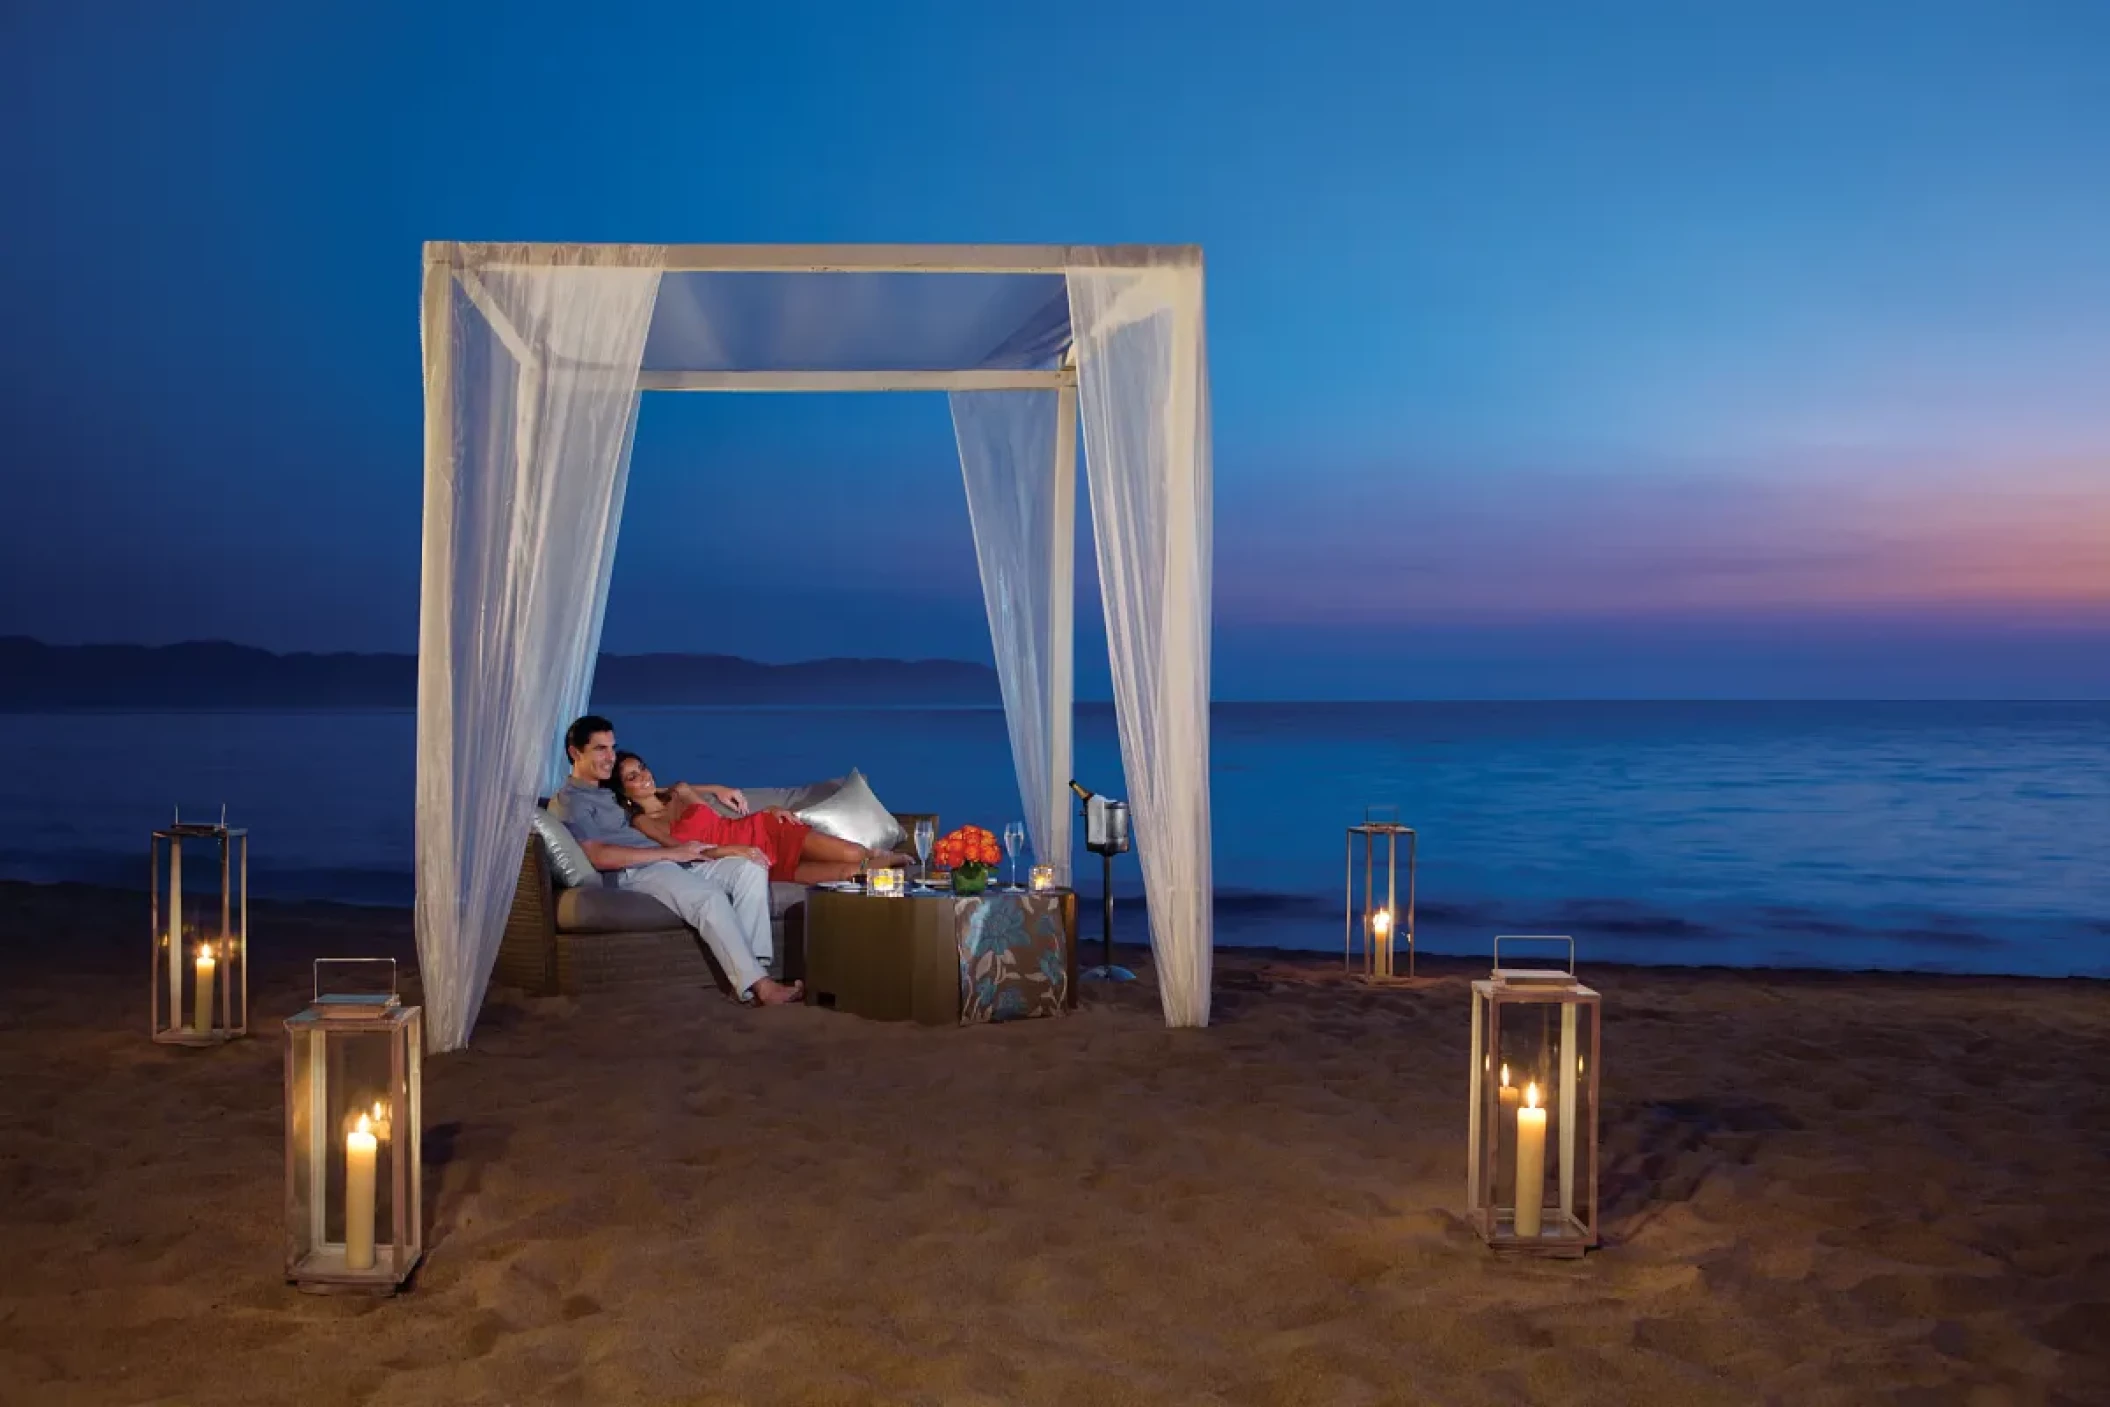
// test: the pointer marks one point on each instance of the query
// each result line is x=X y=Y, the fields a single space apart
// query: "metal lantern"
x=1381 y=926
x=1531 y=1169
x=198 y=972
x=354 y=1126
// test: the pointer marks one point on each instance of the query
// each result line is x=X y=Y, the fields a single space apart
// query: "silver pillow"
x=848 y=811
x=568 y=864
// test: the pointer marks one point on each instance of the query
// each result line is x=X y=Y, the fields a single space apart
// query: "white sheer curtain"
x=1024 y=540
x=577 y=692
x=531 y=395
x=1144 y=386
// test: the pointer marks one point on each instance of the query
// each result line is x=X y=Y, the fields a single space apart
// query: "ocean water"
x=1967 y=837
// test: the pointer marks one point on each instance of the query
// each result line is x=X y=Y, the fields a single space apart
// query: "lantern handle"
x=1535 y=938
x=346 y=962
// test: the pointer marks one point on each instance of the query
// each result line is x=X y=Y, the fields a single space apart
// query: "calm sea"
x=1967 y=837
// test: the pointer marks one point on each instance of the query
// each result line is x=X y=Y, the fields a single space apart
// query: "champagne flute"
x=1014 y=841
x=926 y=834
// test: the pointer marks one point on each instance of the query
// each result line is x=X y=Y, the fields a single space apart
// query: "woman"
x=794 y=851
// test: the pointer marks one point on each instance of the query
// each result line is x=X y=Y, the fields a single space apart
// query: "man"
x=726 y=900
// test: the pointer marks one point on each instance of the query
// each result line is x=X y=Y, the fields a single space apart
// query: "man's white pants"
x=726 y=901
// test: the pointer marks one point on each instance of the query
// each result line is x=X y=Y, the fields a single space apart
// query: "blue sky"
x=1764 y=348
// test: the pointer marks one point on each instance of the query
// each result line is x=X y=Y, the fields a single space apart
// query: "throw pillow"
x=568 y=864
x=849 y=811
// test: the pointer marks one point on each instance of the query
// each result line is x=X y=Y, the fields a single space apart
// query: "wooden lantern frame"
x=313 y=1262
x=169 y=1020
x=1379 y=951
x=1570 y=1227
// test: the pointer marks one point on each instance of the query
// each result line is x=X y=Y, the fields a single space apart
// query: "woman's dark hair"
x=615 y=782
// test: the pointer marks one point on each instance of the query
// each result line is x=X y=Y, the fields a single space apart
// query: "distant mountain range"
x=215 y=674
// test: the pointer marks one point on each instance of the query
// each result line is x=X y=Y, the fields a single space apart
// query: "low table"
x=938 y=959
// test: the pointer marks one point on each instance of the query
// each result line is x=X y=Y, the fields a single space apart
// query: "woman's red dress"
x=775 y=835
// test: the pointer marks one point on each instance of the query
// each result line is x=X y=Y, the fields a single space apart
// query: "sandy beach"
x=1818 y=1189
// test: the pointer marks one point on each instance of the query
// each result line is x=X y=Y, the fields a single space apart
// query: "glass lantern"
x=354 y=1126
x=1531 y=1135
x=1380 y=926
x=198 y=972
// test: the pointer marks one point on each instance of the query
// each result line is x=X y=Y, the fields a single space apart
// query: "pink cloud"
x=1809 y=537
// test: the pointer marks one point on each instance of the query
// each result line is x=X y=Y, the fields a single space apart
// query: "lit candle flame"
x=1381 y=922
x=1505 y=1074
x=1531 y=1096
x=364 y=1125
x=380 y=1110
x=205 y=951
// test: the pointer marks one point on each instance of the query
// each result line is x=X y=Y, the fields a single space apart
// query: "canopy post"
x=1184 y=658
x=1062 y=599
x=435 y=895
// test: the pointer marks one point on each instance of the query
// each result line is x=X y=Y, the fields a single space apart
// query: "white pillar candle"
x=1531 y=1163
x=201 y=1001
x=360 y=1146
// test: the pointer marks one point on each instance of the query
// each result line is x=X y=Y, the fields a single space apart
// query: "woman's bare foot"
x=770 y=992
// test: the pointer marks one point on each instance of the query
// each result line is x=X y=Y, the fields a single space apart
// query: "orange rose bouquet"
x=970 y=853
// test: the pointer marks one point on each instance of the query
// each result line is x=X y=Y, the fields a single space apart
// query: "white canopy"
x=534 y=358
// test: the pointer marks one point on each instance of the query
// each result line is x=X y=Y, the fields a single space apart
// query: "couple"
x=672 y=845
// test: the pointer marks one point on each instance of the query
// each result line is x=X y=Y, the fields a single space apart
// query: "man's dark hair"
x=581 y=731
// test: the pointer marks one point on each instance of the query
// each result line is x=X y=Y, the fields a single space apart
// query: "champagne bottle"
x=1082 y=793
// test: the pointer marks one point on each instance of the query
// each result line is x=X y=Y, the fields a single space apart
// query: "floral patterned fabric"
x=1012 y=963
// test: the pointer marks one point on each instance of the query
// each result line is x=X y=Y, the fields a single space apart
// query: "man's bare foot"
x=888 y=860
x=770 y=992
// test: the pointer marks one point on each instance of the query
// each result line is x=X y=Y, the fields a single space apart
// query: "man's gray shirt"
x=591 y=813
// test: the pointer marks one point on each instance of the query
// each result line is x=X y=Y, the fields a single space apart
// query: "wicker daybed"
x=591 y=938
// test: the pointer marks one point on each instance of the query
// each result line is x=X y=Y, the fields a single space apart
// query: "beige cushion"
x=568 y=864
x=588 y=909
x=591 y=910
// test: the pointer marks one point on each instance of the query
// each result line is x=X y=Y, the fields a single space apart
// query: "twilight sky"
x=1661 y=349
